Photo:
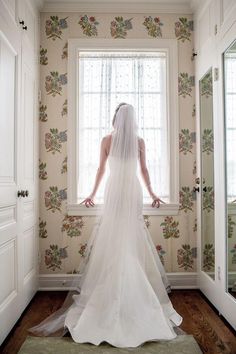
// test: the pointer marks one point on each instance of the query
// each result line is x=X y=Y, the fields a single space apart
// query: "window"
x=99 y=79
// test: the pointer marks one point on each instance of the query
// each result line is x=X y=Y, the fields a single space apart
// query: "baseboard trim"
x=63 y=282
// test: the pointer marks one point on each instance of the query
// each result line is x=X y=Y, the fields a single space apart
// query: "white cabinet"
x=18 y=163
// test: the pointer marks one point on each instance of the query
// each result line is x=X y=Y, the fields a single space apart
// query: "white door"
x=226 y=55
x=28 y=234
x=18 y=169
x=214 y=34
x=207 y=152
x=10 y=249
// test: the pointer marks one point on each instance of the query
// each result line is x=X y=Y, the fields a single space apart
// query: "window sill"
x=82 y=210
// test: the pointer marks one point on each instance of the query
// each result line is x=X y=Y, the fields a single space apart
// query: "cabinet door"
x=10 y=248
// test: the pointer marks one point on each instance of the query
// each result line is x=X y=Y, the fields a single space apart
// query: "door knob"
x=196 y=189
x=204 y=189
x=24 y=28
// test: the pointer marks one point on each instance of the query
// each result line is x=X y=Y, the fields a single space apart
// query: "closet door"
x=18 y=168
x=29 y=131
x=10 y=204
x=227 y=161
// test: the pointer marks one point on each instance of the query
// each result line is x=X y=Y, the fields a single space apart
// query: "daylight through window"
x=104 y=80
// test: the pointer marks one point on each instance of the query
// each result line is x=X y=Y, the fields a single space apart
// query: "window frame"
x=170 y=47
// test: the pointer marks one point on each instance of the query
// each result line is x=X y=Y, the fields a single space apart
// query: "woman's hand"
x=88 y=201
x=156 y=201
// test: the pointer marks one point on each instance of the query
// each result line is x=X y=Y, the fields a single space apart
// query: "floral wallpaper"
x=63 y=238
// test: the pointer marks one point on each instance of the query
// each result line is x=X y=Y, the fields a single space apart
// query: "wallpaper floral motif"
x=89 y=25
x=186 y=83
x=120 y=27
x=186 y=141
x=186 y=255
x=206 y=85
x=54 y=27
x=183 y=28
x=170 y=227
x=153 y=26
x=208 y=257
x=63 y=238
x=207 y=141
x=54 y=83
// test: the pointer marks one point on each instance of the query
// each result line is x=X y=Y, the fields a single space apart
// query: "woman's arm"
x=145 y=174
x=100 y=172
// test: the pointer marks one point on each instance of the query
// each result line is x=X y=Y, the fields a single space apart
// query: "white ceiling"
x=137 y=6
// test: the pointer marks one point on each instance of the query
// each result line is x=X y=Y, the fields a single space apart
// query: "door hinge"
x=218 y=273
x=216 y=29
x=39 y=257
x=216 y=74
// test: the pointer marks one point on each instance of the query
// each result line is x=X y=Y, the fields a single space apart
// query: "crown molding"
x=111 y=6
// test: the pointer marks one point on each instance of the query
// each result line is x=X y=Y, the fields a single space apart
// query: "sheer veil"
x=123 y=158
x=116 y=244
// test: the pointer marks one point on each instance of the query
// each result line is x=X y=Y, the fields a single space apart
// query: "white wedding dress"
x=123 y=289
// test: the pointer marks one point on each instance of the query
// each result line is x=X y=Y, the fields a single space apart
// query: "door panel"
x=8 y=278
x=9 y=179
x=28 y=178
x=28 y=252
x=7 y=121
x=207 y=175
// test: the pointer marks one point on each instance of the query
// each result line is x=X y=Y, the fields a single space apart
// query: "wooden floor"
x=200 y=319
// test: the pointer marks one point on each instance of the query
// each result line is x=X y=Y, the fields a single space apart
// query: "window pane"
x=105 y=80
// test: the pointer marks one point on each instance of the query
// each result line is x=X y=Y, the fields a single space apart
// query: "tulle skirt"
x=121 y=289
x=124 y=293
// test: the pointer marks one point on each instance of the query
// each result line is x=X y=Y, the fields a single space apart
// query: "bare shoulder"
x=106 y=142
x=141 y=143
x=106 y=139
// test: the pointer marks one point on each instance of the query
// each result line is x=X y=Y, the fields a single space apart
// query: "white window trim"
x=170 y=46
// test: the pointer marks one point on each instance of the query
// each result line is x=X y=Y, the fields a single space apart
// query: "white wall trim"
x=63 y=281
x=150 y=6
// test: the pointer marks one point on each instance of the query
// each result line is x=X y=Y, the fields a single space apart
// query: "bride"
x=120 y=293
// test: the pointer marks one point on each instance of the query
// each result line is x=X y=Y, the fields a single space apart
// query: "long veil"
x=113 y=249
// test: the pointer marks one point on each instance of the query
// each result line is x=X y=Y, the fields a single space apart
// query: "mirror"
x=229 y=63
x=207 y=175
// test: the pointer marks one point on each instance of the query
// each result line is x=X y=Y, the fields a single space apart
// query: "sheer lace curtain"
x=105 y=79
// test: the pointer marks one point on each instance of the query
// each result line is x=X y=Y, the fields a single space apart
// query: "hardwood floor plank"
x=204 y=322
